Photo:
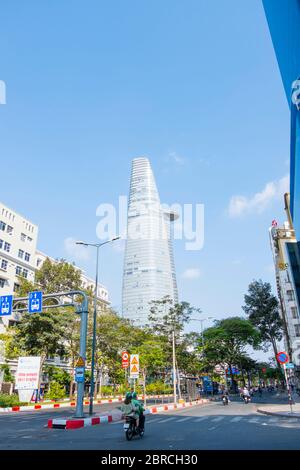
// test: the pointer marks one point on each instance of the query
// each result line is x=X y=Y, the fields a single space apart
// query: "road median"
x=116 y=415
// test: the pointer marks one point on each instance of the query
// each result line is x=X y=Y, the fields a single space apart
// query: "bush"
x=56 y=392
x=107 y=390
x=158 y=388
x=6 y=400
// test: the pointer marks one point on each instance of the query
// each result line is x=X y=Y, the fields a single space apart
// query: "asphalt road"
x=210 y=427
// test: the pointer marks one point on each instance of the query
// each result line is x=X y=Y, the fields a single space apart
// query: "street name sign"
x=289 y=365
x=35 y=302
x=134 y=366
x=6 y=305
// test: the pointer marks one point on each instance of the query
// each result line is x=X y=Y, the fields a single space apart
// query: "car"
x=35 y=304
x=5 y=307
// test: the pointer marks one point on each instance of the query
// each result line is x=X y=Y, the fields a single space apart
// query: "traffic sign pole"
x=288 y=388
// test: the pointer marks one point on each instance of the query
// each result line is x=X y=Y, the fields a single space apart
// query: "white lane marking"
x=219 y=418
x=273 y=420
x=184 y=419
x=254 y=420
x=197 y=420
x=166 y=420
x=236 y=419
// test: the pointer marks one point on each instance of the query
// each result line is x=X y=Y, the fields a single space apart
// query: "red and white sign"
x=125 y=360
x=28 y=373
x=282 y=357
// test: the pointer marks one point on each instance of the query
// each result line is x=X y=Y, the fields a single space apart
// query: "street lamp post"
x=96 y=245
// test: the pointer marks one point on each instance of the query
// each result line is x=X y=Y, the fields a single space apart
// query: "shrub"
x=158 y=388
x=56 y=392
x=6 y=400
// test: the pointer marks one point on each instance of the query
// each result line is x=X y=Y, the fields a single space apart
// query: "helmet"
x=134 y=395
x=128 y=395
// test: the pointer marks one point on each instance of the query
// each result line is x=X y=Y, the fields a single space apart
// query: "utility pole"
x=174 y=367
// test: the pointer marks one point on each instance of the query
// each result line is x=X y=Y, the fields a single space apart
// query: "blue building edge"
x=283 y=18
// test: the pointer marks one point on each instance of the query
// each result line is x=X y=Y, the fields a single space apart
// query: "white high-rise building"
x=286 y=255
x=149 y=270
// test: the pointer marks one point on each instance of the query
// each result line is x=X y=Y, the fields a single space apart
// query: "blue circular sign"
x=282 y=357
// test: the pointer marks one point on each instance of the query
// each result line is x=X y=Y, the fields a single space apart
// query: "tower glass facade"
x=149 y=270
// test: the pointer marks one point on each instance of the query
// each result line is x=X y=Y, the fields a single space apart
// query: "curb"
x=83 y=422
x=281 y=414
x=15 y=409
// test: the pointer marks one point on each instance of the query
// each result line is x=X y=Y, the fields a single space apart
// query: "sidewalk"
x=280 y=410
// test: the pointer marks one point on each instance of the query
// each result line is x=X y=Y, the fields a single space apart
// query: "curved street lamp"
x=96 y=245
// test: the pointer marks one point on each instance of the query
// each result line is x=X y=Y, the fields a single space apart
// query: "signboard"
x=35 y=302
x=80 y=362
x=207 y=384
x=6 y=305
x=125 y=360
x=27 y=376
x=79 y=374
x=282 y=357
x=234 y=371
x=289 y=365
x=134 y=366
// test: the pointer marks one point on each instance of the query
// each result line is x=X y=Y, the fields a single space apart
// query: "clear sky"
x=192 y=85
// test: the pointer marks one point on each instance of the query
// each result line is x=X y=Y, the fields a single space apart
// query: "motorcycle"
x=246 y=399
x=225 y=400
x=131 y=429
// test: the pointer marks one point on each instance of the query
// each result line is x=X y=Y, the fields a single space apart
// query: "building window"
x=297 y=330
x=39 y=261
x=294 y=312
x=16 y=287
x=1 y=244
x=25 y=273
x=4 y=265
x=290 y=295
x=2 y=225
x=9 y=230
x=29 y=239
x=21 y=254
x=23 y=237
x=18 y=270
x=27 y=257
x=2 y=282
x=7 y=247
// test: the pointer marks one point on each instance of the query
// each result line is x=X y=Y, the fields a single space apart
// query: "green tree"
x=262 y=307
x=226 y=342
x=48 y=333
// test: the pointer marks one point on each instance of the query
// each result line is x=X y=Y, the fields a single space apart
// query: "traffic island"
x=115 y=415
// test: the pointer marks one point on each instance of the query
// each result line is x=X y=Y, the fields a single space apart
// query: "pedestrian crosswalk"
x=262 y=420
x=219 y=420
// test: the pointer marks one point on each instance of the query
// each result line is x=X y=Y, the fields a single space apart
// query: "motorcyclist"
x=128 y=408
x=225 y=395
x=140 y=411
x=245 y=393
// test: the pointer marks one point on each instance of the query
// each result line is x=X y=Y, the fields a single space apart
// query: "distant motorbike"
x=225 y=400
x=131 y=429
x=246 y=399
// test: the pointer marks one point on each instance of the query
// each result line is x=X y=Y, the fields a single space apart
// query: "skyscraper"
x=149 y=270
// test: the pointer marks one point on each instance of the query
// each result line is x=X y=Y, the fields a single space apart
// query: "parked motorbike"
x=131 y=429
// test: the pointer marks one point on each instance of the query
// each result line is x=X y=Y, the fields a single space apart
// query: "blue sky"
x=192 y=85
